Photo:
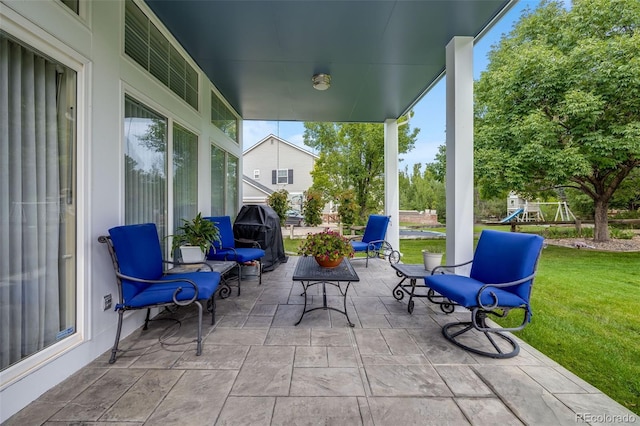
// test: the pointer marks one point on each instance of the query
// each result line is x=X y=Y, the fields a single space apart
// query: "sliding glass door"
x=37 y=202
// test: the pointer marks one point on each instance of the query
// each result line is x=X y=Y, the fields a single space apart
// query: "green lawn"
x=586 y=307
x=586 y=314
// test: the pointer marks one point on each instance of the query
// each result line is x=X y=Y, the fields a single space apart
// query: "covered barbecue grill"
x=258 y=222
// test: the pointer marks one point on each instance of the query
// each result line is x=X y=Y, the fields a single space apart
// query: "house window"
x=256 y=174
x=224 y=183
x=282 y=176
x=145 y=166
x=185 y=175
x=232 y=186
x=37 y=202
x=145 y=44
x=223 y=118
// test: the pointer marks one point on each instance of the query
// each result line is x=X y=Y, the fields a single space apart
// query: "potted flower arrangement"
x=328 y=248
x=194 y=238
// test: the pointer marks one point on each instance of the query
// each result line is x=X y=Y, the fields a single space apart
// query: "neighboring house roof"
x=263 y=140
x=260 y=187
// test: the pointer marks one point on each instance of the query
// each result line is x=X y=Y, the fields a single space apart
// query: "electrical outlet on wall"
x=106 y=302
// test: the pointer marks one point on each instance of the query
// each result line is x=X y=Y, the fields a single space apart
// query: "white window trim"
x=279 y=177
x=33 y=36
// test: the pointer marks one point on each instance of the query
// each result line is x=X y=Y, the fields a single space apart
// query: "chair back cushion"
x=506 y=256
x=226 y=232
x=139 y=255
x=376 y=228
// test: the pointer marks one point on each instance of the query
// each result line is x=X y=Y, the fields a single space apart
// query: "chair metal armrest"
x=235 y=253
x=255 y=243
x=371 y=245
x=495 y=303
x=204 y=263
x=442 y=267
x=175 y=293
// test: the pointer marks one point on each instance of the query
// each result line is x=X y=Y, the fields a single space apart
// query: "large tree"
x=559 y=103
x=352 y=158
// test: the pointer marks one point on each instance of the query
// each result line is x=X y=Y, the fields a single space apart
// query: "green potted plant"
x=328 y=248
x=195 y=238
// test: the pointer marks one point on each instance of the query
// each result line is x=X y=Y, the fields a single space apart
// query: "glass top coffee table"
x=309 y=273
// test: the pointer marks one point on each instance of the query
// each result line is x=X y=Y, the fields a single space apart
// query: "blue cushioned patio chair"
x=226 y=249
x=373 y=242
x=502 y=272
x=142 y=283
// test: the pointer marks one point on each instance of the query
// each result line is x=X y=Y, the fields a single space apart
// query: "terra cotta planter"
x=328 y=263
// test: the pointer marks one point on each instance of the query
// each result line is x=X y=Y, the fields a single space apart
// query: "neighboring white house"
x=273 y=164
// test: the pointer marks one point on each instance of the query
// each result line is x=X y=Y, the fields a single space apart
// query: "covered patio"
x=234 y=61
x=258 y=368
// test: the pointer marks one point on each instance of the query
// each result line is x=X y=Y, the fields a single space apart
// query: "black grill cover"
x=261 y=223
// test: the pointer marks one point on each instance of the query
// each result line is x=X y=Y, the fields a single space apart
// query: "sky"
x=429 y=112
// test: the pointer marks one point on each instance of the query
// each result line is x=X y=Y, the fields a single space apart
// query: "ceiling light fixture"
x=321 y=81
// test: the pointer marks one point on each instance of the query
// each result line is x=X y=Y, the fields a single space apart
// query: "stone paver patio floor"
x=257 y=368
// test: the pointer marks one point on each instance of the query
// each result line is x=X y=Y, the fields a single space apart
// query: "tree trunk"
x=601 y=229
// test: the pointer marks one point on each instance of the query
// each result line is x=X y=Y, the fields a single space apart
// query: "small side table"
x=414 y=273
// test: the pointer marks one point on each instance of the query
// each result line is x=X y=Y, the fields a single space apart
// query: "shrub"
x=347 y=208
x=621 y=234
x=279 y=202
x=312 y=207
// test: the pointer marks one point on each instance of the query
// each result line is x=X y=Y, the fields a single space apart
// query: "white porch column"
x=459 y=178
x=391 y=188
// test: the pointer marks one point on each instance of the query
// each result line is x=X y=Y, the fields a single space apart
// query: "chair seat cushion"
x=361 y=246
x=161 y=293
x=464 y=291
x=239 y=255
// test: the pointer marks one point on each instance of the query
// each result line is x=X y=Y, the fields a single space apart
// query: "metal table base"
x=309 y=273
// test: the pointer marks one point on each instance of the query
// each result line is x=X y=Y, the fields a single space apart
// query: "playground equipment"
x=523 y=210
x=512 y=216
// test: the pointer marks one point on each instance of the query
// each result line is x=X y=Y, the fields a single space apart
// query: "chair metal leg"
x=199 y=338
x=239 y=277
x=211 y=307
x=259 y=271
x=114 y=350
x=146 y=320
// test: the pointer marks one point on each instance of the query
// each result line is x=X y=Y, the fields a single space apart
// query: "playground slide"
x=512 y=216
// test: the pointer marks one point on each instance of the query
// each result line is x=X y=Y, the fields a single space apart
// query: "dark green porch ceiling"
x=382 y=55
